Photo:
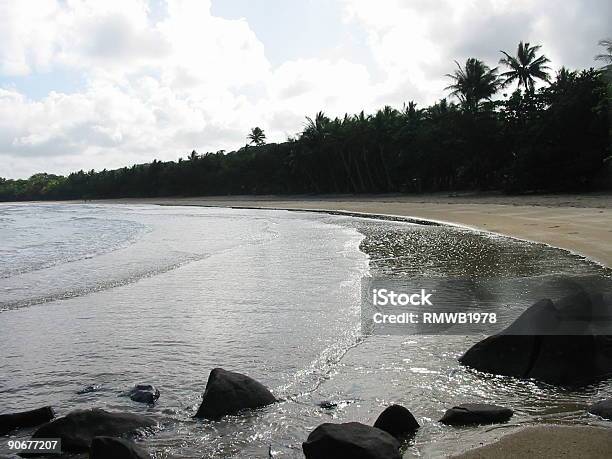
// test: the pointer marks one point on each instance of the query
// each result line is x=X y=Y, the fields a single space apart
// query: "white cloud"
x=157 y=87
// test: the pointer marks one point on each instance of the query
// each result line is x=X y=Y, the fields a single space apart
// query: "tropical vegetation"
x=551 y=133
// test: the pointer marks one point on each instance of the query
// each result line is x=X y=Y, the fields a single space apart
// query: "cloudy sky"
x=103 y=84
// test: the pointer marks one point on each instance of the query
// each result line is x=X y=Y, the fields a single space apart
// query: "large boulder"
x=398 y=421
x=32 y=418
x=351 y=440
x=602 y=409
x=78 y=428
x=144 y=393
x=567 y=343
x=116 y=448
x=476 y=413
x=229 y=393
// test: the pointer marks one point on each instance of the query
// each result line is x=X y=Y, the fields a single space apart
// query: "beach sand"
x=548 y=442
x=580 y=223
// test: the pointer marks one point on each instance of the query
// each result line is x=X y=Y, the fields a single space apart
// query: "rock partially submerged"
x=397 y=421
x=32 y=418
x=476 y=413
x=144 y=393
x=351 y=440
x=89 y=389
x=558 y=343
x=116 y=448
x=78 y=428
x=602 y=409
x=229 y=393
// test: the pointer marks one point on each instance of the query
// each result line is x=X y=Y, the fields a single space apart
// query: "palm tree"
x=525 y=67
x=607 y=56
x=257 y=136
x=473 y=83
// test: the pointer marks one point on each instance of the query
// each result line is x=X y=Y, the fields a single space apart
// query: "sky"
x=89 y=84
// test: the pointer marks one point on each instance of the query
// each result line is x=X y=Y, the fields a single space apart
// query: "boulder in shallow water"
x=32 y=418
x=116 y=448
x=351 y=440
x=78 y=428
x=558 y=343
x=602 y=409
x=476 y=413
x=228 y=392
x=144 y=393
x=397 y=421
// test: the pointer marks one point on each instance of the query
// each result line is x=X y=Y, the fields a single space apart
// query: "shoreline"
x=547 y=440
x=514 y=218
x=581 y=224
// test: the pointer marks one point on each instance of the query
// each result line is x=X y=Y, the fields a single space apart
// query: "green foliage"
x=526 y=67
x=473 y=82
x=257 y=136
x=554 y=138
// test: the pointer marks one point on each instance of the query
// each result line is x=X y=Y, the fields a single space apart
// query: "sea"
x=112 y=295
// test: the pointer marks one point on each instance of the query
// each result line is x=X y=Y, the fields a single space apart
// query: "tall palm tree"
x=525 y=68
x=257 y=136
x=473 y=83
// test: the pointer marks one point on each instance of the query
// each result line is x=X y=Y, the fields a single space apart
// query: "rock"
x=229 y=393
x=476 y=413
x=144 y=393
x=351 y=440
x=117 y=448
x=602 y=409
x=11 y=421
x=88 y=389
x=557 y=343
x=78 y=428
x=328 y=405
x=398 y=421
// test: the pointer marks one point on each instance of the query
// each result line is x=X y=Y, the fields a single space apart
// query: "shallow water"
x=117 y=295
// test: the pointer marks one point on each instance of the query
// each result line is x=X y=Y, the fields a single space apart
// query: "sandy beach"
x=548 y=442
x=579 y=223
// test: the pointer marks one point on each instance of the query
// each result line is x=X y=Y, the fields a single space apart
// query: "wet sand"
x=548 y=442
x=579 y=223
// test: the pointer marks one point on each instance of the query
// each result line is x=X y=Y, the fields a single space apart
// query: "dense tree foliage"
x=553 y=138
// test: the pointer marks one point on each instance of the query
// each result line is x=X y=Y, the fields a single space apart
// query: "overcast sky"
x=104 y=84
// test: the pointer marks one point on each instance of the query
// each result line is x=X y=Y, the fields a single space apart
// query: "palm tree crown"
x=257 y=136
x=473 y=83
x=525 y=67
x=606 y=57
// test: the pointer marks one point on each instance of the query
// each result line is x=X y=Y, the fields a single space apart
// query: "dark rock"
x=31 y=418
x=476 y=413
x=602 y=409
x=229 y=393
x=332 y=404
x=88 y=389
x=144 y=393
x=398 y=421
x=78 y=428
x=352 y=440
x=116 y=448
x=558 y=343
x=328 y=404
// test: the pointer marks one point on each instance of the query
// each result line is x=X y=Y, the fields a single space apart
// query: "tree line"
x=555 y=137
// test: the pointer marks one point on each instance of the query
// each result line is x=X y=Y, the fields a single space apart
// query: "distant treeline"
x=556 y=138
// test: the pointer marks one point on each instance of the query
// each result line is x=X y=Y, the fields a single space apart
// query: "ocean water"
x=114 y=295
